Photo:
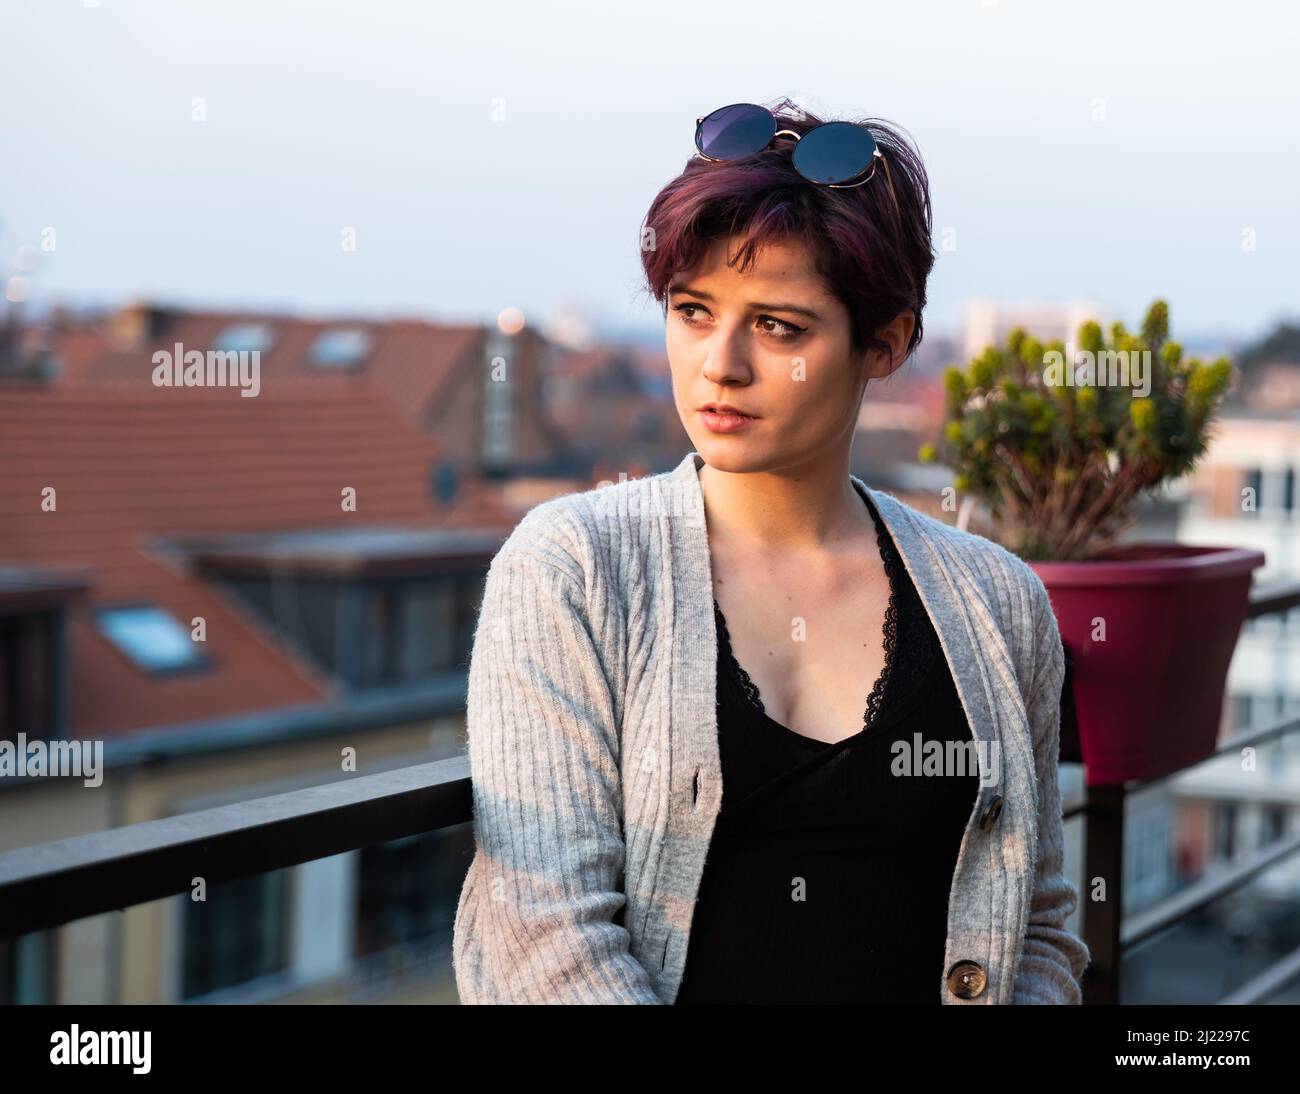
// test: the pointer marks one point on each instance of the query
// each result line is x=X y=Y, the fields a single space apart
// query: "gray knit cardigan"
x=593 y=749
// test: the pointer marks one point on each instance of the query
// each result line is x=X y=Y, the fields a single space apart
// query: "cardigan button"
x=966 y=979
x=991 y=812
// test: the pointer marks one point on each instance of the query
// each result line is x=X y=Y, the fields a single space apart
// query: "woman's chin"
x=728 y=453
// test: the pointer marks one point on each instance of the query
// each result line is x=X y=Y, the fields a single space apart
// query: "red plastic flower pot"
x=1149 y=631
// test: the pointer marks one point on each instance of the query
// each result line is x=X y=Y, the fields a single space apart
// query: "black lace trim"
x=733 y=666
x=914 y=631
x=897 y=582
x=893 y=566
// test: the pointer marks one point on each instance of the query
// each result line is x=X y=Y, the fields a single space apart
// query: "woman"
x=750 y=730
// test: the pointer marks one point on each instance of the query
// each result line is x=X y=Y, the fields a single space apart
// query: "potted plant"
x=1058 y=441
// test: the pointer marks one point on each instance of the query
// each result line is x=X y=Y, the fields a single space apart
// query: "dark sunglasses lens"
x=734 y=131
x=834 y=152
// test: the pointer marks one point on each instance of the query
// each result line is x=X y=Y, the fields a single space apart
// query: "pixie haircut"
x=874 y=258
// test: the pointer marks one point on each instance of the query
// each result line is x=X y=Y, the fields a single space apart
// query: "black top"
x=827 y=877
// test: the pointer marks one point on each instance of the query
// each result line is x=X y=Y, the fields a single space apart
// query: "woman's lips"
x=720 y=422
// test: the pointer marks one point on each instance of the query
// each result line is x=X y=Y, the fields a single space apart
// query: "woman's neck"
x=788 y=512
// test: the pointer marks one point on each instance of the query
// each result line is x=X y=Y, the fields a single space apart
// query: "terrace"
x=56 y=883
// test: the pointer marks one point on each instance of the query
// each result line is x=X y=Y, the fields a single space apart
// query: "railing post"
x=1102 y=919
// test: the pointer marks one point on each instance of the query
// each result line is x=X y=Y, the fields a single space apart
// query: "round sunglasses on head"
x=831 y=154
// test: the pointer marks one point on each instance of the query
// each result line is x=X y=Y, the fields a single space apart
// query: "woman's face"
x=773 y=343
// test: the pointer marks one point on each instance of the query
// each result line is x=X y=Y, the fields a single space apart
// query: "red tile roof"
x=409 y=360
x=132 y=462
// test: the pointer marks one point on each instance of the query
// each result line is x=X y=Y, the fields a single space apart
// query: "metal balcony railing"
x=1108 y=933
x=65 y=880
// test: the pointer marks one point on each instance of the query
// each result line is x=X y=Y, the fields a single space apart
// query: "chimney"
x=138 y=324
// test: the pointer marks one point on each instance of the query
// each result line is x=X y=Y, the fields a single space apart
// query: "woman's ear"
x=897 y=335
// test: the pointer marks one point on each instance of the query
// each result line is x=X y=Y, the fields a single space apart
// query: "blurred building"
x=474 y=388
x=1220 y=813
x=988 y=322
x=233 y=595
x=614 y=404
x=1272 y=387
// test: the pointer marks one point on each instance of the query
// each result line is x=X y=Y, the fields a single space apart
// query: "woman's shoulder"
x=1011 y=588
x=1005 y=564
x=573 y=531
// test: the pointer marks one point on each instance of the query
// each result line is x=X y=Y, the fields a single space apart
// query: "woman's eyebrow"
x=796 y=308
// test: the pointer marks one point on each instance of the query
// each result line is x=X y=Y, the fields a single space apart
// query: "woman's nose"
x=727 y=357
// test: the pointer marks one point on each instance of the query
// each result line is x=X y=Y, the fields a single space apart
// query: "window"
x=28 y=675
x=151 y=638
x=380 y=632
x=1272 y=824
x=445 y=481
x=1254 y=480
x=408 y=889
x=305 y=609
x=238 y=934
x=1241 y=705
x=427 y=628
x=379 y=653
x=245 y=337
x=1225 y=831
x=342 y=348
x=409 y=629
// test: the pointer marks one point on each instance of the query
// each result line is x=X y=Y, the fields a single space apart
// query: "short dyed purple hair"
x=874 y=258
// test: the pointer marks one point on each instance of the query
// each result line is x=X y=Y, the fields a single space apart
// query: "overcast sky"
x=503 y=154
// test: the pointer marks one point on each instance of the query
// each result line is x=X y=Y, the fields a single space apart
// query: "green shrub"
x=1059 y=464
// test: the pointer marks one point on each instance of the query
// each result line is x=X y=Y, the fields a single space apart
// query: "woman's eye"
x=782 y=332
x=788 y=330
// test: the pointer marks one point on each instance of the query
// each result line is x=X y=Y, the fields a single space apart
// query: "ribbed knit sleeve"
x=1053 y=958
x=536 y=918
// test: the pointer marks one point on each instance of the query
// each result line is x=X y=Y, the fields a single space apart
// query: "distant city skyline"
x=392 y=160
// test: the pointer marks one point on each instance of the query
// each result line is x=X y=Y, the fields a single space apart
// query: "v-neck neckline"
x=976 y=653
x=881 y=687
